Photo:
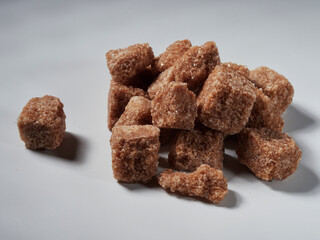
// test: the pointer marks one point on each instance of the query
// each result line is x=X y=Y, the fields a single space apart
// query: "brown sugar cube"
x=263 y=115
x=240 y=69
x=226 y=100
x=42 y=123
x=196 y=147
x=118 y=98
x=267 y=153
x=275 y=86
x=196 y=64
x=161 y=82
x=174 y=107
x=126 y=63
x=137 y=112
x=135 y=153
x=205 y=182
x=171 y=55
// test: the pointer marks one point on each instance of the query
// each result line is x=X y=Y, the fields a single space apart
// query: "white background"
x=58 y=48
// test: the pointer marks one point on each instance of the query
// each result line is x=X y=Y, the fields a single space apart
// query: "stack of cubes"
x=188 y=95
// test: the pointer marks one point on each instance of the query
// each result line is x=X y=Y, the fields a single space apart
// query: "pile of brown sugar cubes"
x=188 y=95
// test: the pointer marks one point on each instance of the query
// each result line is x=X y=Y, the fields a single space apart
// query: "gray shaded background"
x=58 y=48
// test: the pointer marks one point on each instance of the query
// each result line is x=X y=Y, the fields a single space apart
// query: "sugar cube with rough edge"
x=205 y=182
x=118 y=98
x=42 y=123
x=263 y=114
x=135 y=153
x=126 y=63
x=174 y=107
x=137 y=112
x=267 y=153
x=274 y=85
x=196 y=64
x=196 y=147
x=171 y=55
x=161 y=82
x=240 y=69
x=226 y=100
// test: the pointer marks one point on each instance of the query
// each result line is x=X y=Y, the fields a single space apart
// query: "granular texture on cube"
x=275 y=86
x=196 y=64
x=205 y=182
x=171 y=55
x=118 y=98
x=174 y=107
x=135 y=153
x=240 y=69
x=42 y=123
x=137 y=112
x=267 y=153
x=161 y=82
x=196 y=147
x=263 y=113
x=226 y=100
x=126 y=63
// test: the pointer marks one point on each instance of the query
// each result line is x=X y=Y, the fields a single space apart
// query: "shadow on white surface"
x=141 y=186
x=232 y=200
x=304 y=180
x=232 y=168
x=297 y=119
x=71 y=149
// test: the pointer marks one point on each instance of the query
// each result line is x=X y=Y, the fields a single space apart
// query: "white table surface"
x=58 y=48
